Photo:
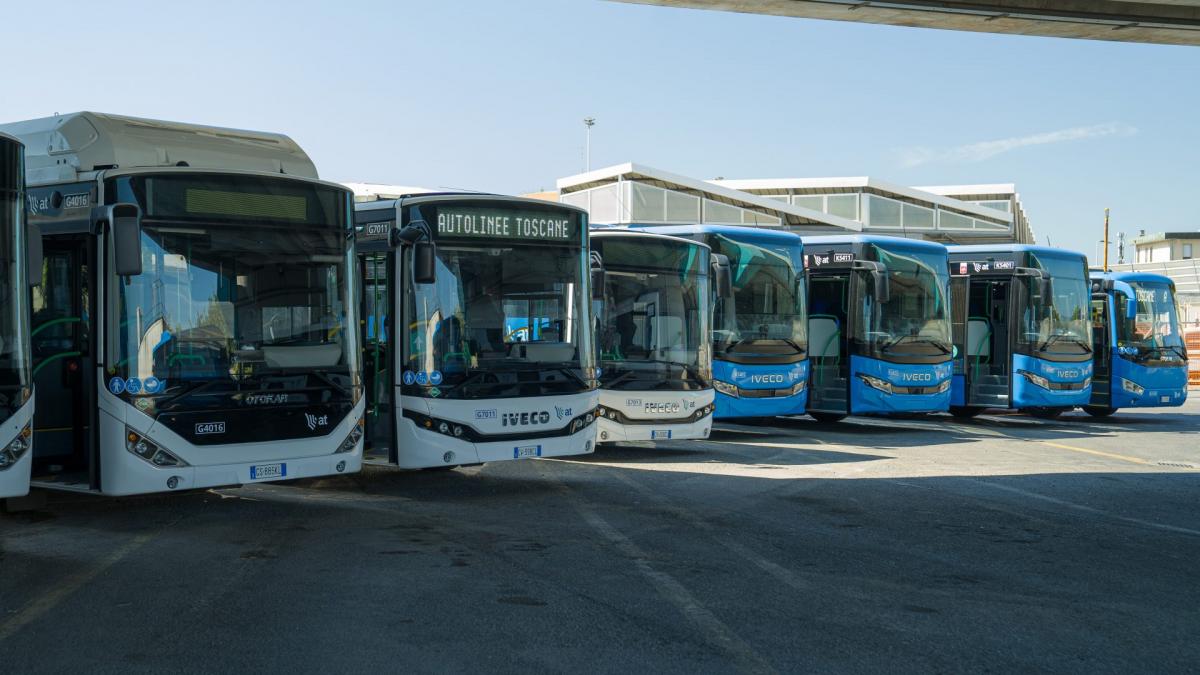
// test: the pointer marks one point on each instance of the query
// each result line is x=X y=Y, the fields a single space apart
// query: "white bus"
x=195 y=322
x=477 y=330
x=654 y=336
x=16 y=385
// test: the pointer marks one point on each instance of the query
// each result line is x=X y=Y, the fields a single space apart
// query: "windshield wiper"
x=917 y=339
x=1065 y=337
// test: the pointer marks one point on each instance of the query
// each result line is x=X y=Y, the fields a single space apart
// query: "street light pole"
x=1105 y=239
x=588 y=122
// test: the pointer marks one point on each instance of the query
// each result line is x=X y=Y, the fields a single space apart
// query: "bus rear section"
x=478 y=330
x=195 y=327
x=1139 y=359
x=760 y=331
x=16 y=380
x=1022 y=329
x=653 y=336
x=879 y=326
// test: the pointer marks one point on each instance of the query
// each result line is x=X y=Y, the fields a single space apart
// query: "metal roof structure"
x=76 y=145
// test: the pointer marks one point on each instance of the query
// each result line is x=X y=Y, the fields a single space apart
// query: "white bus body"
x=16 y=383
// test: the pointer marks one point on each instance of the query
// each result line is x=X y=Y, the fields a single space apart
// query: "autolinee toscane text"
x=503 y=224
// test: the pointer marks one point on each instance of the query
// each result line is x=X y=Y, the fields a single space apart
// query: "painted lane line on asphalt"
x=38 y=608
x=1088 y=509
x=1099 y=453
x=743 y=655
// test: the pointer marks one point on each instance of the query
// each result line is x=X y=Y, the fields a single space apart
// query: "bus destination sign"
x=510 y=224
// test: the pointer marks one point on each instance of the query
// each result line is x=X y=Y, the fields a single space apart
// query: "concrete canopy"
x=1175 y=22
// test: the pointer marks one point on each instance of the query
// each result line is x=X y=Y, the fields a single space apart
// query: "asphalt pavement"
x=1003 y=543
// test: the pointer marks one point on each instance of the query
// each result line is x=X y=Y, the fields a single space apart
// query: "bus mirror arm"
x=125 y=221
x=722 y=276
x=33 y=254
x=424 y=260
x=1126 y=290
x=598 y=276
x=882 y=283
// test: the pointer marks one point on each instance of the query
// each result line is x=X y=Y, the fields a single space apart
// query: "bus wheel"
x=965 y=412
x=828 y=418
x=1098 y=410
x=1044 y=412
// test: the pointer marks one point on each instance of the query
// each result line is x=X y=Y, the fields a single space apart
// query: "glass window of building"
x=953 y=221
x=1187 y=251
x=884 y=212
x=682 y=208
x=844 y=206
x=814 y=202
x=648 y=203
x=917 y=217
x=604 y=206
x=716 y=212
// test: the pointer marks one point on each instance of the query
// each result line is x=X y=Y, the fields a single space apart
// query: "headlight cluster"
x=1132 y=387
x=466 y=433
x=614 y=415
x=351 y=442
x=1035 y=379
x=877 y=383
x=16 y=448
x=149 y=451
x=799 y=387
x=726 y=388
x=1044 y=383
x=889 y=388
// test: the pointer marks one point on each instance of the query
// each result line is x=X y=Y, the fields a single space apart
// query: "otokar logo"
x=315 y=421
x=770 y=378
x=267 y=399
x=207 y=428
x=525 y=419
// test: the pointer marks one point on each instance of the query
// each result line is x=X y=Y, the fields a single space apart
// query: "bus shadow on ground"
x=623 y=454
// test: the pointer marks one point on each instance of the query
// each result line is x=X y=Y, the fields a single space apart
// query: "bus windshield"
x=654 y=323
x=502 y=319
x=1154 y=332
x=769 y=294
x=1056 y=320
x=14 y=328
x=914 y=320
x=244 y=290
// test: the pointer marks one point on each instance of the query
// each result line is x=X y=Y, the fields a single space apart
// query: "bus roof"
x=616 y=233
x=1144 y=277
x=1013 y=248
x=759 y=233
x=74 y=146
x=899 y=242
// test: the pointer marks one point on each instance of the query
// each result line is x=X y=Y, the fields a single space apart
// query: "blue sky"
x=490 y=96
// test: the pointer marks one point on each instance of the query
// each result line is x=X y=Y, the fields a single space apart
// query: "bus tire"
x=965 y=412
x=1098 y=410
x=1045 y=413
x=828 y=418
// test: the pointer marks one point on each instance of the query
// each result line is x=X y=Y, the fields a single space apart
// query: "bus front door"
x=377 y=298
x=1102 y=355
x=64 y=366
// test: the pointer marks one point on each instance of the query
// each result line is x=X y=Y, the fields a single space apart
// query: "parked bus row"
x=192 y=307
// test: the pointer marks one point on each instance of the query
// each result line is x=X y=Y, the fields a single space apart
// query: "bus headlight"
x=1132 y=387
x=943 y=387
x=726 y=388
x=16 y=448
x=351 y=442
x=799 y=387
x=149 y=450
x=1035 y=379
x=876 y=383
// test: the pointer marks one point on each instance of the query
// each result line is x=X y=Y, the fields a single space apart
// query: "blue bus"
x=1140 y=359
x=878 y=326
x=760 y=332
x=1021 y=329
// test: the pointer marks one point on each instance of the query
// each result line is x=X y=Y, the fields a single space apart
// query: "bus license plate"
x=265 y=471
x=660 y=435
x=525 y=451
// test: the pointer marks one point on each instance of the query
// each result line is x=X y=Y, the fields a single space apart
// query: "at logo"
x=562 y=413
x=315 y=421
x=525 y=419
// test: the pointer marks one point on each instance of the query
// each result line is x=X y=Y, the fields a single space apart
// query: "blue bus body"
x=760 y=345
x=1140 y=359
x=879 y=326
x=1023 y=338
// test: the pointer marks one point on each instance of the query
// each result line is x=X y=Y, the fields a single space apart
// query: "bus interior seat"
x=979 y=331
x=824 y=337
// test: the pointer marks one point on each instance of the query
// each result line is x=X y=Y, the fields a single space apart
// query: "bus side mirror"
x=33 y=254
x=722 y=276
x=424 y=262
x=125 y=221
x=1131 y=309
x=883 y=286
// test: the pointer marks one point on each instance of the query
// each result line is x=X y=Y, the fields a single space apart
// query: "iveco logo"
x=662 y=408
x=1068 y=373
x=525 y=418
x=917 y=377
x=767 y=379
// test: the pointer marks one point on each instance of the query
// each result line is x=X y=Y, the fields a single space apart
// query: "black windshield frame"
x=15 y=357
